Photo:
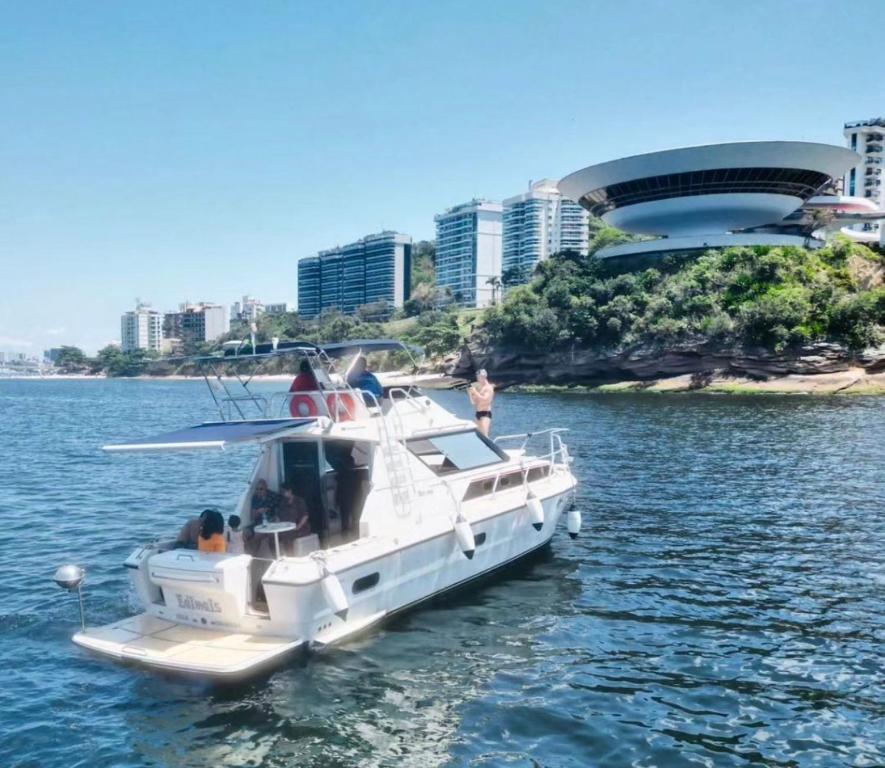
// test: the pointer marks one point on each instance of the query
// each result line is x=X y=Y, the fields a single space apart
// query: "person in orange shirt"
x=211 y=537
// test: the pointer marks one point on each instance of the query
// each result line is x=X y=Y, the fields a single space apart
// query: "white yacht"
x=405 y=501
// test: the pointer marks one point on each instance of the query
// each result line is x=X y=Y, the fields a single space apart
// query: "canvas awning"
x=215 y=435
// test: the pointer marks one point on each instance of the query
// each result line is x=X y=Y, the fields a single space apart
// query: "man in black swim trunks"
x=481 y=394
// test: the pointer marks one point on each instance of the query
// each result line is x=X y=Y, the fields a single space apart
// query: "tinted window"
x=365 y=582
x=456 y=451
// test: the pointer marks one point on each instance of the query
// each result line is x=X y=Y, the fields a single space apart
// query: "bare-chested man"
x=481 y=394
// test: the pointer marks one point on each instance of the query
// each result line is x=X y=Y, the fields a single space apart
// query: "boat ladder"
x=399 y=471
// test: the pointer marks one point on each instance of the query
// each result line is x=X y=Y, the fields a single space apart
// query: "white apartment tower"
x=867 y=138
x=141 y=328
x=537 y=224
x=468 y=252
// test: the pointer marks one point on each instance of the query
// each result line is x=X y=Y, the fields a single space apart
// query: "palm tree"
x=495 y=282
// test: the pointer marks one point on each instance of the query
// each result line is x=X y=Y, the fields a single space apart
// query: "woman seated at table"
x=211 y=538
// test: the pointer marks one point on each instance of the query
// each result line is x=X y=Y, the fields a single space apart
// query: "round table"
x=276 y=529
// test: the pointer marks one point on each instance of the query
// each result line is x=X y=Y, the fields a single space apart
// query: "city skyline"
x=211 y=176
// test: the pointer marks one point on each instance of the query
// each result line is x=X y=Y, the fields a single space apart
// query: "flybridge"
x=229 y=376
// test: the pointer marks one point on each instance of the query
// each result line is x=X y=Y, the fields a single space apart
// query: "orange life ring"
x=301 y=406
x=341 y=405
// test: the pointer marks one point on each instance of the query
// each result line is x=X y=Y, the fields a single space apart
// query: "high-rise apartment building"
x=537 y=224
x=468 y=252
x=141 y=328
x=374 y=269
x=194 y=323
x=867 y=138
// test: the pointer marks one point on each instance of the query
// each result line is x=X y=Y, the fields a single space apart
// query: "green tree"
x=71 y=360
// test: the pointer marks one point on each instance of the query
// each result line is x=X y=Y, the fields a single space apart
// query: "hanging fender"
x=536 y=511
x=573 y=522
x=464 y=534
x=334 y=593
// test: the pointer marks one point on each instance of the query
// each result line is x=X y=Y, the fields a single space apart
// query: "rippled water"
x=724 y=606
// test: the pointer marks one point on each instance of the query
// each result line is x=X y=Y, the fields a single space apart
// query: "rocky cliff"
x=594 y=367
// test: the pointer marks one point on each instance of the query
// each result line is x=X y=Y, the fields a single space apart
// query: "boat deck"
x=165 y=645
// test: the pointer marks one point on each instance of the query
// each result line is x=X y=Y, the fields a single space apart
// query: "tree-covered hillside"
x=772 y=297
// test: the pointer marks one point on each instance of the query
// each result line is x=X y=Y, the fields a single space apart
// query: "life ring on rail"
x=302 y=405
x=341 y=405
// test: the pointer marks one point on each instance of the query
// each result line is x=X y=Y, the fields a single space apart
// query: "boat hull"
x=403 y=575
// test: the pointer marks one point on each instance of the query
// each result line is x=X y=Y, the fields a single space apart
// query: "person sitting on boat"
x=264 y=503
x=360 y=377
x=189 y=535
x=211 y=537
x=481 y=394
x=292 y=509
x=233 y=536
x=305 y=381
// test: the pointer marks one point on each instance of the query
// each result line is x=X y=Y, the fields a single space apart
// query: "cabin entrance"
x=332 y=478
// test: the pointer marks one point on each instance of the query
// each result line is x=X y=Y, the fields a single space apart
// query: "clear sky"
x=195 y=151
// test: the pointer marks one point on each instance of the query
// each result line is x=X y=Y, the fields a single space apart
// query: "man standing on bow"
x=481 y=394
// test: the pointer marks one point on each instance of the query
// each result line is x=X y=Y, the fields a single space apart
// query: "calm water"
x=724 y=607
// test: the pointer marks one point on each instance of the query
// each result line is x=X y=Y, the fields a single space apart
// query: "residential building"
x=309 y=286
x=277 y=309
x=374 y=269
x=537 y=224
x=247 y=311
x=468 y=252
x=141 y=328
x=867 y=138
x=195 y=323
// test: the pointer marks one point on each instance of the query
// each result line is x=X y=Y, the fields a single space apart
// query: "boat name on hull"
x=190 y=603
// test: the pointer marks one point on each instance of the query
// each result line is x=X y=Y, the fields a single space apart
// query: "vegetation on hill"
x=772 y=297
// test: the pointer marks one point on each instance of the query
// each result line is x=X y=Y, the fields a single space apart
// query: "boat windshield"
x=456 y=451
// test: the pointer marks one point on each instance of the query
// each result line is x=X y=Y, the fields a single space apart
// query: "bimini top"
x=709 y=189
x=216 y=435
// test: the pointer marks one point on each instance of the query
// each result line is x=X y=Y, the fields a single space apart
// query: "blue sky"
x=195 y=151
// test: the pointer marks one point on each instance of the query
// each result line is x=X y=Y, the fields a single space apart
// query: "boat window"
x=456 y=451
x=486 y=485
x=365 y=582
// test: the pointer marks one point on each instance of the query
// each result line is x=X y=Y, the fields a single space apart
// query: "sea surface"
x=724 y=605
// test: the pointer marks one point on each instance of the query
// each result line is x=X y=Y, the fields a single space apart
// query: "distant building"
x=537 y=224
x=195 y=323
x=867 y=138
x=309 y=286
x=51 y=355
x=374 y=269
x=468 y=251
x=141 y=328
x=247 y=311
x=277 y=309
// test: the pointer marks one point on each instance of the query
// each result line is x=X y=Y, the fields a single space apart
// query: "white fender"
x=334 y=594
x=573 y=521
x=536 y=512
x=464 y=534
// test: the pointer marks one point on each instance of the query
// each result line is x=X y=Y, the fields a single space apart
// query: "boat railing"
x=557 y=452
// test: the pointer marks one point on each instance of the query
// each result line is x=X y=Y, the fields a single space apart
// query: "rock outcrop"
x=592 y=367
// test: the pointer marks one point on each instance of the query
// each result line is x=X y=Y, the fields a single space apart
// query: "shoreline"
x=852 y=381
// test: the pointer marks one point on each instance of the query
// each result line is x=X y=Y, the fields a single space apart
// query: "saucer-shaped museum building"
x=710 y=196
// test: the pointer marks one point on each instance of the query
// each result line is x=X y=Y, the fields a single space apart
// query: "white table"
x=276 y=529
